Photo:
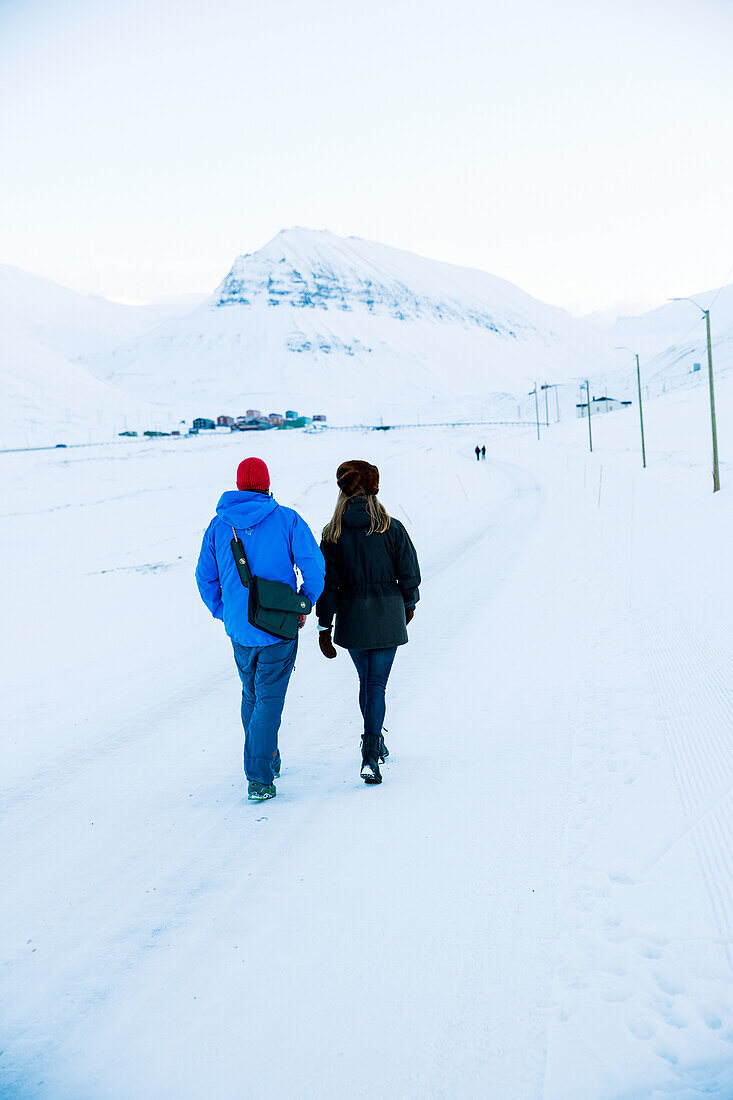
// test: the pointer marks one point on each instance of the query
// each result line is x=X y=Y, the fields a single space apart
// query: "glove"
x=409 y=612
x=301 y=622
x=326 y=645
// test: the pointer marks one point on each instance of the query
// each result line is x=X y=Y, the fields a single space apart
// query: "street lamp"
x=545 y=386
x=586 y=385
x=556 y=388
x=552 y=386
x=536 y=407
x=706 y=313
x=641 y=413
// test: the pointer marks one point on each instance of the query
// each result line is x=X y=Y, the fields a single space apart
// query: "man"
x=275 y=539
x=478 y=452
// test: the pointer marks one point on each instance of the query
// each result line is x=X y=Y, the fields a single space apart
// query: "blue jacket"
x=275 y=540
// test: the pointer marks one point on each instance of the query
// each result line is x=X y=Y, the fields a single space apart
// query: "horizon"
x=619 y=310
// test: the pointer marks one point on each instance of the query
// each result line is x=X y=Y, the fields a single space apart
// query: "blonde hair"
x=378 y=516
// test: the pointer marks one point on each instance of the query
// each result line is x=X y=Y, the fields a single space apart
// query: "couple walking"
x=365 y=576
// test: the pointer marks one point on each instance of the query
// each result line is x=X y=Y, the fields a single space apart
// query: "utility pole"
x=537 y=410
x=713 y=421
x=547 y=415
x=590 y=430
x=641 y=414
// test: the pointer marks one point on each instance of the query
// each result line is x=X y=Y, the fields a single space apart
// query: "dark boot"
x=370 y=772
x=383 y=750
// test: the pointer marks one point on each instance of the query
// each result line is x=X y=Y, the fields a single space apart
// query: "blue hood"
x=244 y=510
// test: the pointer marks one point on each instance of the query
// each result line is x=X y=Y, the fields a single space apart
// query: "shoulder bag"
x=273 y=606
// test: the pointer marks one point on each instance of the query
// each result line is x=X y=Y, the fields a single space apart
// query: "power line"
x=723 y=284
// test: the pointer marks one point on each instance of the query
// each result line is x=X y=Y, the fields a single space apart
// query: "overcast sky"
x=583 y=150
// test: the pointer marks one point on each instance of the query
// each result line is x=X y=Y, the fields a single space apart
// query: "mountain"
x=48 y=393
x=72 y=324
x=49 y=399
x=320 y=323
x=357 y=330
x=670 y=340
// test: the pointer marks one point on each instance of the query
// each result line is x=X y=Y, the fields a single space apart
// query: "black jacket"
x=370 y=581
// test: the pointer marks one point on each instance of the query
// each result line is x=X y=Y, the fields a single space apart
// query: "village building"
x=601 y=405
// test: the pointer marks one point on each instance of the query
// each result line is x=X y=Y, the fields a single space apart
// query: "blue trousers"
x=265 y=674
x=373 y=666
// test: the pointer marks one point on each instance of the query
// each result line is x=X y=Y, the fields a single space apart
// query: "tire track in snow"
x=633 y=1015
x=693 y=677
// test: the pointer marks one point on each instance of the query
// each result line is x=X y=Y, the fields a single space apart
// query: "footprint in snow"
x=667 y=986
x=667 y=1054
x=641 y=1029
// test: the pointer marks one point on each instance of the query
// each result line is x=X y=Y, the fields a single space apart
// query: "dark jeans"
x=265 y=673
x=373 y=666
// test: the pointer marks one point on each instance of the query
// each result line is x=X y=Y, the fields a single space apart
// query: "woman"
x=372 y=578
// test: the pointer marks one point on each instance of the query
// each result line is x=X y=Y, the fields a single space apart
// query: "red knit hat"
x=253 y=476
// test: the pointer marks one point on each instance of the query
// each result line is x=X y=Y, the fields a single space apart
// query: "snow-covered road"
x=536 y=902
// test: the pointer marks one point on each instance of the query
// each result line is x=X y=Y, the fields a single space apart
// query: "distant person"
x=478 y=452
x=483 y=452
x=372 y=578
x=275 y=539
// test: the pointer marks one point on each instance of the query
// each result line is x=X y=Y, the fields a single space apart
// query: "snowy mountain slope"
x=49 y=399
x=651 y=332
x=72 y=324
x=357 y=329
x=49 y=395
x=671 y=338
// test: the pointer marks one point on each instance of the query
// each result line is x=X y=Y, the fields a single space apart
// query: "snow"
x=72 y=324
x=49 y=394
x=48 y=399
x=537 y=900
x=670 y=340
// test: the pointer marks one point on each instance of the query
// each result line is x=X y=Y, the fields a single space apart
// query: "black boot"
x=383 y=750
x=370 y=772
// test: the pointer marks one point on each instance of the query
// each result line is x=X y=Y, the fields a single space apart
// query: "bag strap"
x=240 y=560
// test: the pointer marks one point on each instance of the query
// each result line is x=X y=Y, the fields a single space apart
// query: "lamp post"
x=641 y=412
x=557 y=400
x=536 y=408
x=590 y=430
x=713 y=421
x=546 y=387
